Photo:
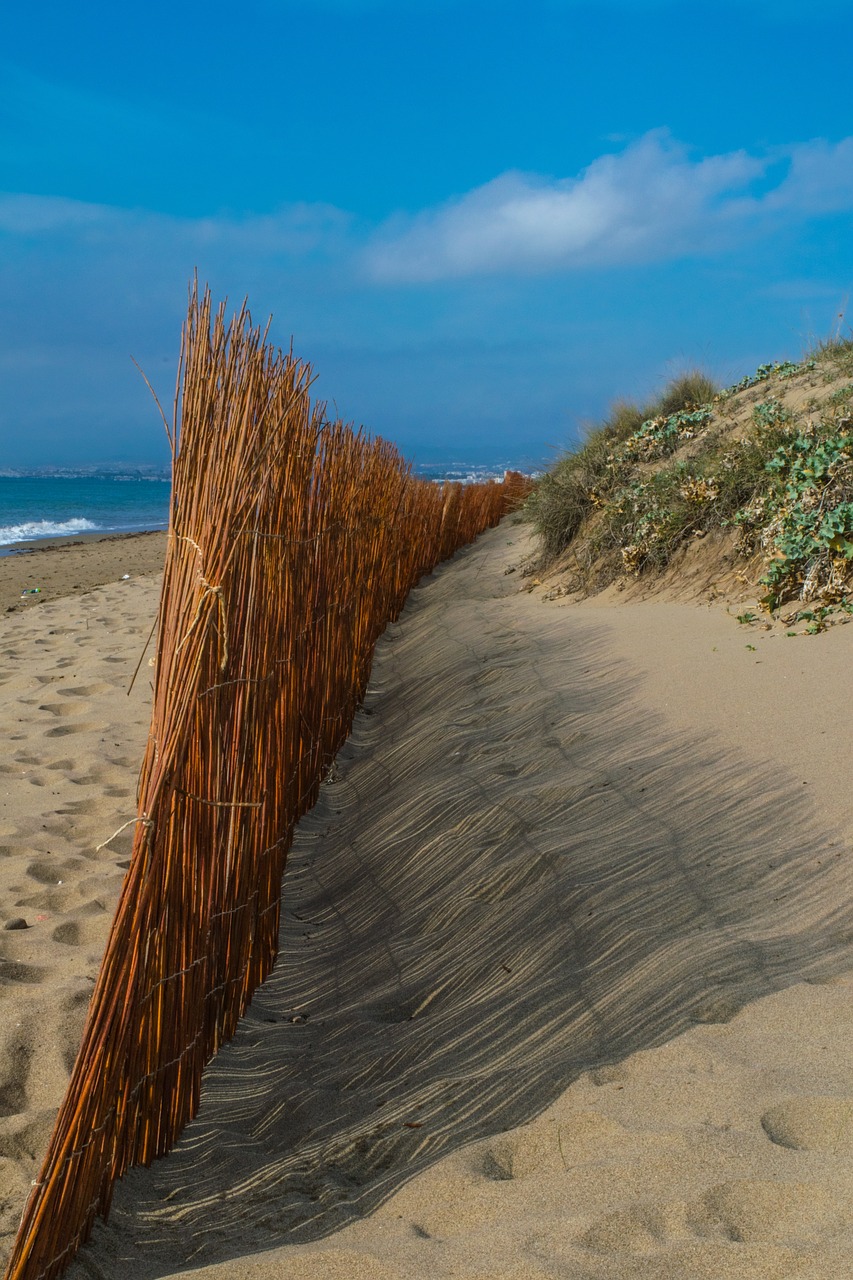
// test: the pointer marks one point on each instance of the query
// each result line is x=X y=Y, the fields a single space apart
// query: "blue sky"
x=480 y=222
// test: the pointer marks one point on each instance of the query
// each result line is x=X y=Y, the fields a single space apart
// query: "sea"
x=61 y=504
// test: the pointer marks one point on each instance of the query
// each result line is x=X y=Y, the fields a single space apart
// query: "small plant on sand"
x=835 y=354
x=687 y=391
x=842 y=396
x=806 y=518
x=783 y=369
x=660 y=436
x=770 y=413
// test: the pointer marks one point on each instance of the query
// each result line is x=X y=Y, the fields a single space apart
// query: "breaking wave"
x=31 y=529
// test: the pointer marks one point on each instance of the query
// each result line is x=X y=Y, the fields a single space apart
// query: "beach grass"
x=766 y=464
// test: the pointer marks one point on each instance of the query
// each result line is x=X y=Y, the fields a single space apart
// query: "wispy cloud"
x=819 y=180
x=296 y=231
x=649 y=202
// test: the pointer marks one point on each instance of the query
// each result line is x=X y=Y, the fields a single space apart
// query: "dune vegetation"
x=762 y=470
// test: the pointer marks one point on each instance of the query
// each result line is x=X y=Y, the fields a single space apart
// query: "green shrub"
x=660 y=436
x=811 y=516
x=787 y=485
x=583 y=480
x=567 y=494
x=740 y=470
x=623 y=420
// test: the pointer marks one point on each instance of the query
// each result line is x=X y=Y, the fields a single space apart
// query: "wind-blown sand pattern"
x=531 y=895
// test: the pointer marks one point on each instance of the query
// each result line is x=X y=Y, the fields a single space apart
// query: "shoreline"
x=57 y=568
x=73 y=539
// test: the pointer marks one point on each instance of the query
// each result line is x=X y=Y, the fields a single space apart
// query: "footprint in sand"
x=94 y=775
x=67 y=933
x=748 y=1211
x=14 y=1188
x=28 y=1141
x=52 y=873
x=755 y=1210
x=63 y=730
x=812 y=1124
x=89 y=931
x=549 y=1146
x=644 y=1229
x=52 y=900
x=16 y=1052
x=16 y=971
x=84 y=690
x=59 y=708
x=76 y=808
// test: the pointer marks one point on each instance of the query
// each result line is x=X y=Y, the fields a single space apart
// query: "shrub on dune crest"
x=770 y=458
x=582 y=480
x=690 y=390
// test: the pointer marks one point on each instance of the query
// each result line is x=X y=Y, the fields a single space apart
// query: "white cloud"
x=650 y=202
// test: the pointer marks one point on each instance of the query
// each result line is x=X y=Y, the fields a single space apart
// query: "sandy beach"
x=566 y=978
x=36 y=572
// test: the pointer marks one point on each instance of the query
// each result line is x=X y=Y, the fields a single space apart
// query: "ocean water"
x=58 y=506
x=51 y=505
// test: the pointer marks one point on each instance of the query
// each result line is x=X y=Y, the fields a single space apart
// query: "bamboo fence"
x=292 y=542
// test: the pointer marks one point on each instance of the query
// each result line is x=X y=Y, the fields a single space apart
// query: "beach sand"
x=566 y=983
x=36 y=572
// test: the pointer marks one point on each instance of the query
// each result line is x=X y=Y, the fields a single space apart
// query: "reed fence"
x=293 y=540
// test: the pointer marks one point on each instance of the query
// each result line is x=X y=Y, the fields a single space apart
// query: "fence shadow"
x=514 y=874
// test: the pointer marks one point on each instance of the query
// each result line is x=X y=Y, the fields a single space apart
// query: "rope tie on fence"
x=209 y=590
x=183 y=537
x=145 y=821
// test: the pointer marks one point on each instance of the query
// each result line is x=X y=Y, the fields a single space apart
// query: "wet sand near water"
x=54 y=568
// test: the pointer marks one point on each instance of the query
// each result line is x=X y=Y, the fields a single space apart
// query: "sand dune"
x=565 y=977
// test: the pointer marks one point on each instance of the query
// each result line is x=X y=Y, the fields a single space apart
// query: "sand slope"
x=533 y=894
